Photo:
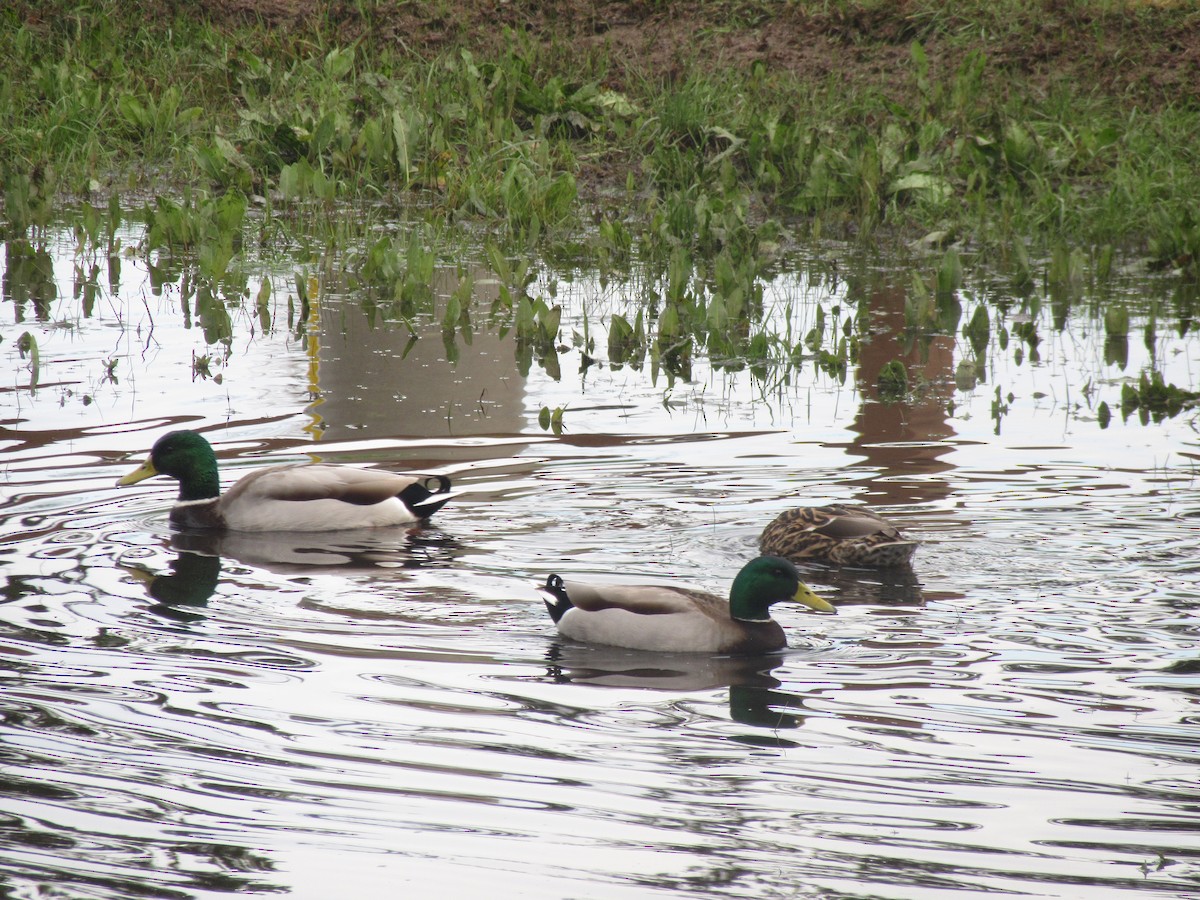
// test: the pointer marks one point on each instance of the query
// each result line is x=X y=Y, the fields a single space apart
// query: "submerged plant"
x=978 y=330
x=893 y=381
x=536 y=323
x=400 y=268
x=1116 y=321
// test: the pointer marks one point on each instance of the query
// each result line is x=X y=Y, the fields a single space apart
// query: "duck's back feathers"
x=359 y=487
x=844 y=535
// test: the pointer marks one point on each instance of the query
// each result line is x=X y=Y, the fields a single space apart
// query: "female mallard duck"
x=287 y=498
x=682 y=620
x=845 y=535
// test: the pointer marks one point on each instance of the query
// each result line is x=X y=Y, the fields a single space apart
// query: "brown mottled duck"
x=844 y=535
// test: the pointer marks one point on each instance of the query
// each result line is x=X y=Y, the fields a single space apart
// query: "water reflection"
x=194 y=574
x=191 y=580
x=903 y=444
x=28 y=282
x=310 y=553
x=848 y=585
x=753 y=698
x=380 y=377
x=617 y=667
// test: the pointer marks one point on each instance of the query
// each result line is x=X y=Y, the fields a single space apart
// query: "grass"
x=94 y=102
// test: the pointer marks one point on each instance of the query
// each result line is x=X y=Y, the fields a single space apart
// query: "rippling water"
x=386 y=714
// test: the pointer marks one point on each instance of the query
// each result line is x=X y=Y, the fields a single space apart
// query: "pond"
x=377 y=714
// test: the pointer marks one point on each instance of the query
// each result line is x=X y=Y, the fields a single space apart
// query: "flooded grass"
x=327 y=143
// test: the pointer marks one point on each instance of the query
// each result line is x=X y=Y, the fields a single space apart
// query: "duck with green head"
x=302 y=497
x=679 y=619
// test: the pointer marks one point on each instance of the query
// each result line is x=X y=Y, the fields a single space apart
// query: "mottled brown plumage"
x=844 y=535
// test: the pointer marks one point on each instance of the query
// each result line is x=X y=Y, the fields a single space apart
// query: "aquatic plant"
x=551 y=419
x=27 y=346
x=1154 y=400
x=1175 y=242
x=978 y=330
x=703 y=180
x=893 y=381
x=626 y=342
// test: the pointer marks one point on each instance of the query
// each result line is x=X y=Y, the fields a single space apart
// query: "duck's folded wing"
x=847 y=524
x=361 y=487
x=640 y=599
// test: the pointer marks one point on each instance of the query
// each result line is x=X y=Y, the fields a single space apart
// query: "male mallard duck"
x=846 y=535
x=682 y=620
x=287 y=498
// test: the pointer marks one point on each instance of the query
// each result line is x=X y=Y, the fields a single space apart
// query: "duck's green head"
x=186 y=457
x=767 y=580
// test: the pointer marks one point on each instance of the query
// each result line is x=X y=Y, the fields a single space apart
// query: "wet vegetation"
x=693 y=178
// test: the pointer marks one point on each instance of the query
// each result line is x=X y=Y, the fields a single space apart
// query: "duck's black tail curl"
x=426 y=495
x=561 y=603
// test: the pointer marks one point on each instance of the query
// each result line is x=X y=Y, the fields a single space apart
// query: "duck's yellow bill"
x=141 y=473
x=805 y=596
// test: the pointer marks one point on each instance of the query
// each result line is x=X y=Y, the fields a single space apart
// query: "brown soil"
x=1147 y=54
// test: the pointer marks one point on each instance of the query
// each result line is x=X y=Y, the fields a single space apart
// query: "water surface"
x=378 y=714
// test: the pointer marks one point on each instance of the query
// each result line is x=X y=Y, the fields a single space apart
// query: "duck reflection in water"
x=196 y=569
x=753 y=698
x=193 y=578
x=288 y=553
x=853 y=586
